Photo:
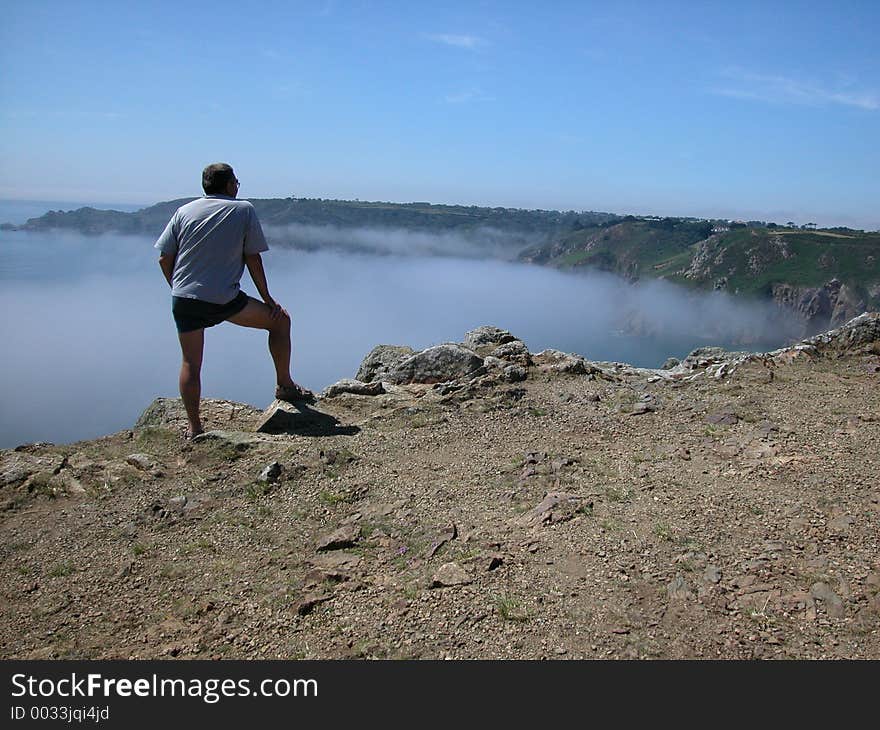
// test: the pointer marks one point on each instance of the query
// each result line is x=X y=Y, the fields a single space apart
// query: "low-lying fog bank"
x=89 y=340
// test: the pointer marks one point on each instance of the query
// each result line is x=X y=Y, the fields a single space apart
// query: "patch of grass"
x=509 y=609
x=663 y=531
x=184 y=608
x=172 y=571
x=198 y=546
x=585 y=508
x=40 y=484
x=59 y=570
x=139 y=548
x=332 y=499
x=536 y=412
x=618 y=494
x=255 y=490
x=151 y=438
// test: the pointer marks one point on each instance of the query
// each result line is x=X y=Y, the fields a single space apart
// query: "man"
x=204 y=249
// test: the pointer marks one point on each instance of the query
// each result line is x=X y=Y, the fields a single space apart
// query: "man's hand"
x=277 y=310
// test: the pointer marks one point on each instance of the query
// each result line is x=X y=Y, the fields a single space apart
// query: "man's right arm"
x=167 y=245
x=166 y=263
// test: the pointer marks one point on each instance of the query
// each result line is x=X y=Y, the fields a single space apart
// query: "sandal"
x=294 y=393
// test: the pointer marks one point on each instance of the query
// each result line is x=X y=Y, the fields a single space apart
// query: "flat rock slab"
x=345 y=537
x=355 y=387
x=555 y=507
x=239 y=440
x=722 y=418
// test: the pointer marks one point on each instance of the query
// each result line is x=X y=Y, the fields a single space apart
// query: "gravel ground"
x=566 y=516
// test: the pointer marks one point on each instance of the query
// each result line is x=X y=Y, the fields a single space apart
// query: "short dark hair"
x=216 y=177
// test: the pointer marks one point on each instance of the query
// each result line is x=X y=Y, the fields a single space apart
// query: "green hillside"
x=744 y=260
x=280 y=212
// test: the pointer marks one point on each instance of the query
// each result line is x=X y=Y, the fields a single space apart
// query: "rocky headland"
x=471 y=500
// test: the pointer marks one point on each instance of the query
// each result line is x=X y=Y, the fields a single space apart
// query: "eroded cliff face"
x=820 y=308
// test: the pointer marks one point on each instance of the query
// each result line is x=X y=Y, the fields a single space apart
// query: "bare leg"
x=192 y=345
x=257 y=314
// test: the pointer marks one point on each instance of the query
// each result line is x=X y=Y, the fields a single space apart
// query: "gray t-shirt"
x=210 y=237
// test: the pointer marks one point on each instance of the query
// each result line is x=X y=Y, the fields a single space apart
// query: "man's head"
x=219 y=179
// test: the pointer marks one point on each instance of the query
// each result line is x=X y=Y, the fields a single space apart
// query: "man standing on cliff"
x=204 y=249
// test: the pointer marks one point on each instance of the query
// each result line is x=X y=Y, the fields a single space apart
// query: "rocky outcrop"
x=170 y=413
x=437 y=364
x=381 y=360
x=822 y=307
x=486 y=337
x=860 y=334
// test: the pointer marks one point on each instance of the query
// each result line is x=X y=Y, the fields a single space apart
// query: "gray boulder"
x=514 y=351
x=381 y=360
x=486 y=335
x=437 y=364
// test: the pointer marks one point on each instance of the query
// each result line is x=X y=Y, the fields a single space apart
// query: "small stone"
x=640 y=408
x=833 y=603
x=712 y=574
x=271 y=472
x=450 y=574
x=279 y=416
x=144 y=462
x=450 y=533
x=177 y=503
x=678 y=589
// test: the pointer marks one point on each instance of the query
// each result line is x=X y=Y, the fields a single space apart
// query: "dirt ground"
x=561 y=517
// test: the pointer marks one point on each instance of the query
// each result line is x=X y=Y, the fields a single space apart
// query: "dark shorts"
x=194 y=314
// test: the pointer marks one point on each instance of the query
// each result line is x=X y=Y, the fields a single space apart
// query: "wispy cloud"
x=457 y=40
x=785 y=90
x=468 y=95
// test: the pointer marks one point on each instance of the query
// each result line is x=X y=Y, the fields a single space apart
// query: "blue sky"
x=753 y=110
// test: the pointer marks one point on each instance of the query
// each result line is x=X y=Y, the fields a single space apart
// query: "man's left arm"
x=254 y=245
x=254 y=263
